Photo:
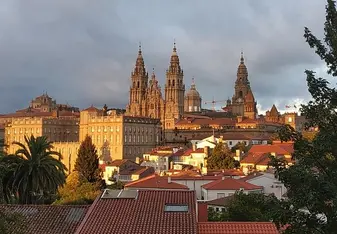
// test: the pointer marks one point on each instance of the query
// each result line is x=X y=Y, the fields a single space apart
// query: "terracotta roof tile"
x=251 y=176
x=155 y=182
x=91 y=109
x=206 y=121
x=230 y=184
x=278 y=149
x=223 y=201
x=237 y=228
x=51 y=219
x=143 y=214
x=119 y=162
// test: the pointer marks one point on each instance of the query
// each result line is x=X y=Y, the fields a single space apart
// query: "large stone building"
x=115 y=135
x=146 y=98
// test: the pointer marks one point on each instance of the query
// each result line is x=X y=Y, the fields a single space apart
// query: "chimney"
x=137 y=160
x=206 y=150
x=202 y=212
x=194 y=147
x=169 y=180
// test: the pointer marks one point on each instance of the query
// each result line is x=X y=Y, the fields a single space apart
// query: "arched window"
x=240 y=94
x=169 y=83
x=173 y=83
x=138 y=84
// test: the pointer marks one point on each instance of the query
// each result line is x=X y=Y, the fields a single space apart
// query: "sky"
x=82 y=52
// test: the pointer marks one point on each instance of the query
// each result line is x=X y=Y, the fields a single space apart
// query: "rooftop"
x=237 y=228
x=155 y=182
x=230 y=184
x=51 y=219
x=151 y=212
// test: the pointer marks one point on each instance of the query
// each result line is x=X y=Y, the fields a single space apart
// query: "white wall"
x=270 y=184
x=193 y=185
x=215 y=194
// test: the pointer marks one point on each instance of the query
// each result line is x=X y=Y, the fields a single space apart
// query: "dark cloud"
x=82 y=51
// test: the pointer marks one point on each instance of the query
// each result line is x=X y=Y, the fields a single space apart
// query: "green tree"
x=35 y=171
x=11 y=223
x=254 y=207
x=241 y=146
x=221 y=157
x=311 y=183
x=77 y=191
x=87 y=163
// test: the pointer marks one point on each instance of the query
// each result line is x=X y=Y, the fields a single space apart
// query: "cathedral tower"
x=242 y=87
x=139 y=80
x=174 y=91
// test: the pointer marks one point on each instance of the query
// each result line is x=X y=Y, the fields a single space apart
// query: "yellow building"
x=55 y=128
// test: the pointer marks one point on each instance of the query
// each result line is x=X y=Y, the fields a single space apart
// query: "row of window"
x=105 y=138
x=104 y=129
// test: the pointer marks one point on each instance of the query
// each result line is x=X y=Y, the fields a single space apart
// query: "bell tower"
x=139 y=80
x=174 y=90
x=241 y=88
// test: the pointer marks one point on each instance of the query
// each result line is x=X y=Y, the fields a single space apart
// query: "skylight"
x=176 y=208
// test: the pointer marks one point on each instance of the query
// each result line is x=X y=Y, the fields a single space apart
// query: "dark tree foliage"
x=241 y=146
x=87 y=162
x=34 y=173
x=312 y=182
x=254 y=207
x=221 y=157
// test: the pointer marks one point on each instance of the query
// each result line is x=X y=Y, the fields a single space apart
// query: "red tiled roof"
x=155 y=182
x=223 y=201
x=22 y=114
x=91 y=109
x=278 y=149
x=51 y=219
x=144 y=214
x=251 y=176
x=237 y=228
x=206 y=121
x=254 y=158
x=119 y=162
x=230 y=184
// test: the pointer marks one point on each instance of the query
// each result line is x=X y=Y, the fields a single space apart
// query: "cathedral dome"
x=193 y=91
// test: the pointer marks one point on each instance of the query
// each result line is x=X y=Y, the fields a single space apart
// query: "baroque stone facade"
x=146 y=98
x=243 y=102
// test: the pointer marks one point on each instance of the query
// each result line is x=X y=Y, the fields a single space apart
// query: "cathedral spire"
x=174 y=62
x=140 y=67
x=242 y=59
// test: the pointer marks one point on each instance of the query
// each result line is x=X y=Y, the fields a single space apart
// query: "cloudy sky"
x=82 y=51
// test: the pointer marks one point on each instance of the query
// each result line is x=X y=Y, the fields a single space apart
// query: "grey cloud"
x=83 y=51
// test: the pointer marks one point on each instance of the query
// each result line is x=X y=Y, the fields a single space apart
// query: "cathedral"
x=146 y=98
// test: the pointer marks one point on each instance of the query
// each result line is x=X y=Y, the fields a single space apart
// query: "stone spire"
x=174 y=62
x=242 y=69
x=139 y=67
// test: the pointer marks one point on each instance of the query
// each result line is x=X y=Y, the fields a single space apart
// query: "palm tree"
x=36 y=170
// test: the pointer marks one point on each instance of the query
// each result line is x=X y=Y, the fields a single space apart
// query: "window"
x=176 y=208
x=220 y=195
x=230 y=143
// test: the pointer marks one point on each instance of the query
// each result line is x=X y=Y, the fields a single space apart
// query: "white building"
x=227 y=187
x=267 y=180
